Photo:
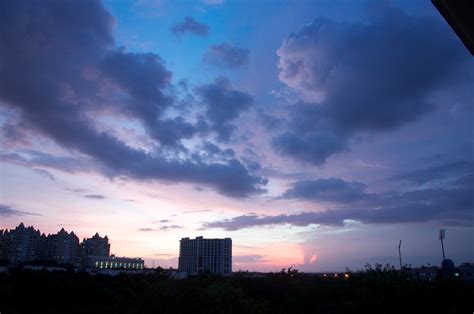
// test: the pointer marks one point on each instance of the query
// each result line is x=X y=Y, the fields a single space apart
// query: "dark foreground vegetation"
x=25 y=291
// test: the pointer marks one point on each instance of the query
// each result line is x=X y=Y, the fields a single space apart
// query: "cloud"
x=364 y=77
x=146 y=229
x=166 y=228
x=190 y=26
x=326 y=190
x=145 y=78
x=223 y=104
x=59 y=99
x=33 y=158
x=13 y=134
x=437 y=172
x=197 y=211
x=45 y=174
x=226 y=55
x=94 y=196
x=451 y=205
x=78 y=190
x=8 y=211
x=270 y=122
x=312 y=146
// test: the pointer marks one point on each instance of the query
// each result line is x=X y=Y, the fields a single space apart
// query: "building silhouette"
x=22 y=244
x=61 y=247
x=95 y=246
x=26 y=244
x=199 y=255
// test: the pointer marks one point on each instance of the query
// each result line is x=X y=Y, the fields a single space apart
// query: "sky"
x=315 y=134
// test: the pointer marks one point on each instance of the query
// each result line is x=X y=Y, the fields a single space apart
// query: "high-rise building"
x=62 y=247
x=20 y=244
x=95 y=246
x=25 y=244
x=198 y=255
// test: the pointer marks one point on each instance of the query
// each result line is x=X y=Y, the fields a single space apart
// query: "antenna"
x=400 y=253
x=442 y=235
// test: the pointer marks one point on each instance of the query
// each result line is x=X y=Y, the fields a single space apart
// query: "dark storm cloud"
x=326 y=190
x=312 y=146
x=451 y=205
x=57 y=99
x=170 y=132
x=143 y=76
x=226 y=55
x=364 y=77
x=224 y=104
x=8 y=211
x=191 y=26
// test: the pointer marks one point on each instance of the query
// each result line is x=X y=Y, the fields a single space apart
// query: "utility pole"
x=400 y=254
x=441 y=238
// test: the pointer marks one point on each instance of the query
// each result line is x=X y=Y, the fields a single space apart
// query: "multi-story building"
x=112 y=262
x=61 y=247
x=21 y=244
x=25 y=244
x=95 y=246
x=198 y=255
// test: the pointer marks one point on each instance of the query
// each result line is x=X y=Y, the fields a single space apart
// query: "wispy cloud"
x=190 y=26
x=45 y=174
x=146 y=229
x=9 y=211
x=166 y=228
x=226 y=55
x=196 y=211
x=95 y=196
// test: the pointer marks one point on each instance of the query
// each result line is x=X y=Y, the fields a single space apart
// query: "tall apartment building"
x=198 y=255
x=95 y=246
x=25 y=244
x=62 y=247
x=21 y=244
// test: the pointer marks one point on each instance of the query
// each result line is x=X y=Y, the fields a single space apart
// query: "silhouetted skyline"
x=315 y=134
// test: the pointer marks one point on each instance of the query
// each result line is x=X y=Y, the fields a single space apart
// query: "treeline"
x=24 y=291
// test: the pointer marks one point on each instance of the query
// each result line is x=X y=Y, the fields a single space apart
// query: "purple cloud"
x=190 y=26
x=362 y=77
x=226 y=55
x=85 y=42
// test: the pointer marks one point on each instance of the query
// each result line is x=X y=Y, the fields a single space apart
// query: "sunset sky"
x=315 y=134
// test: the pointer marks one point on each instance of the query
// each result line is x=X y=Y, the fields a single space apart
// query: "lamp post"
x=400 y=253
x=442 y=235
